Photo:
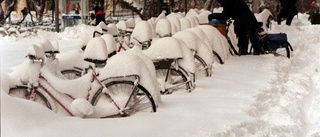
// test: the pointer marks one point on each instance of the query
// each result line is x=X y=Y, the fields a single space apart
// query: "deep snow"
x=262 y=95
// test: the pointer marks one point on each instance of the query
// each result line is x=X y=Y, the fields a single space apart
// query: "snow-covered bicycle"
x=165 y=57
x=87 y=96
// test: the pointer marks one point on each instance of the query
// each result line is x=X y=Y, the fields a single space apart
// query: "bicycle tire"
x=141 y=102
x=201 y=67
x=174 y=81
x=288 y=51
x=71 y=73
x=19 y=92
x=217 y=57
x=233 y=50
x=22 y=92
x=183 y=75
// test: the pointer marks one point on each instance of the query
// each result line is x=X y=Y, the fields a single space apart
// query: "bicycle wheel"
x=40 y=98
x=71 y=73
x=217 y=57
x=128 y=97
x=19 y=92
x=176 y=80
x=22 y=92
x=202 y=69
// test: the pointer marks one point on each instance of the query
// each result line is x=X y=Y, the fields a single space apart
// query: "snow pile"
x=248 y=96
x=291 y=103
x=81 y=107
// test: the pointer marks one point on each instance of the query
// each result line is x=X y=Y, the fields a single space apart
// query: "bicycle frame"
x=121 y=39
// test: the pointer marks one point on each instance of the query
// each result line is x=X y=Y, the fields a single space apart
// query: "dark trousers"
x=243 y=42
x=99 y=18
x=284 y=14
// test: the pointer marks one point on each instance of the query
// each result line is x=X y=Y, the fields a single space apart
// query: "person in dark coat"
x=314 y=17
x=99 y=14
x=245 y=24
x=288 y=10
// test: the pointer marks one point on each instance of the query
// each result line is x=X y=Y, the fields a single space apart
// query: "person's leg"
x=243 y=44
x=255 y=42
x=289 y=20
x=279 y=17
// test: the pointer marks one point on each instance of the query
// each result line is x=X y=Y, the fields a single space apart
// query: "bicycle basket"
x=276 y=41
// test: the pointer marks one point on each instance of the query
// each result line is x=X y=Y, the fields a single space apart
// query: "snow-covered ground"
x=259 y=96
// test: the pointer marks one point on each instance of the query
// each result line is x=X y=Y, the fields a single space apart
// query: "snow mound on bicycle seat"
x=130 y=23
x=203 y=17
x=164 y=48
x=121 y=25
x=36 y=51
x=47 y=46
x=185 y=23
x=202 y=35
x=218 y=42
x=174 y=22
x=189 y=38
x=192 y=12
x=142 y=32
x=110 y=43
x=193 y=21
x=163 y=28
x=72 y=59
x=96 y=49
x=112 y=29
x=102 y=25
x=127 y=64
